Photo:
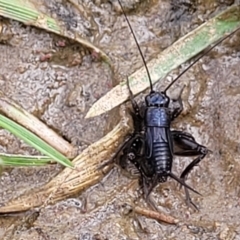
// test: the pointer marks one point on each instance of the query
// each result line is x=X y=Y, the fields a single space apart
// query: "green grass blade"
x=172 y=57
x=27 y=14
x=16 y=113
x=24 y=11
x=23 y=161
x=34 y=141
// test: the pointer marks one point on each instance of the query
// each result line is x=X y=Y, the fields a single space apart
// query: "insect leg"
x=177 y=110
x=185 y=145
x=132 y=152
x=125 y=148
x=133 y=102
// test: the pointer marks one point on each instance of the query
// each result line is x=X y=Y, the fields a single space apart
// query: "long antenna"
x=135 y=39
x=198 y=58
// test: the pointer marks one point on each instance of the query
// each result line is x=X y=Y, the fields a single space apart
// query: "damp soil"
x=58 y=81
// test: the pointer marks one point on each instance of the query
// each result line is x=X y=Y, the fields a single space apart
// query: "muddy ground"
x=60 y=90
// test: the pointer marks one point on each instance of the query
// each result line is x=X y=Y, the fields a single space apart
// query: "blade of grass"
x=23 y=161
x=13 y=111
x=172 y=57
x=34 y=141
x=26 y=13
x=72 y=181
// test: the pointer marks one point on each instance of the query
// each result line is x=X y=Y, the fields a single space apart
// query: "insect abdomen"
x=159 y=147
x=162 y=157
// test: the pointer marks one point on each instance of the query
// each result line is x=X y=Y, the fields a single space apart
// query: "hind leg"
x=185 y=145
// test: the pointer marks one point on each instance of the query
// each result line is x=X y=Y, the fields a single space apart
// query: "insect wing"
x=157 y=135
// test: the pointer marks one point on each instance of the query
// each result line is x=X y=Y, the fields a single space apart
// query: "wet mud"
x=58 y=81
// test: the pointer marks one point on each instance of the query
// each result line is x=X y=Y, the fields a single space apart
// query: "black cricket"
x=153 y=144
